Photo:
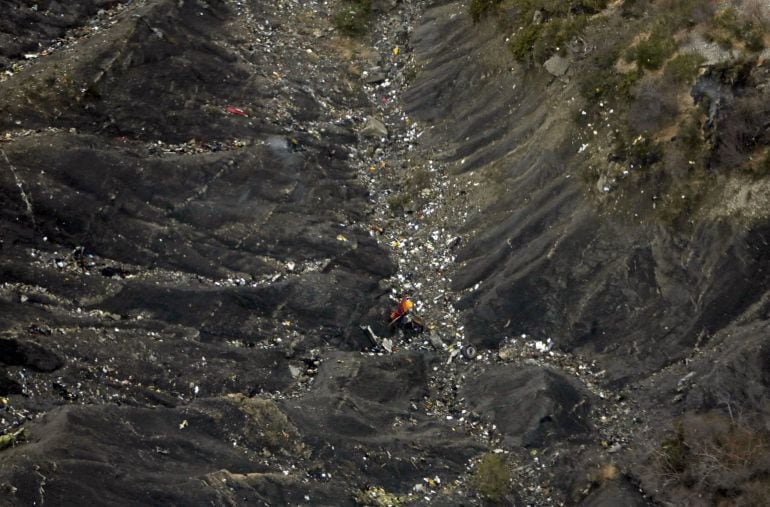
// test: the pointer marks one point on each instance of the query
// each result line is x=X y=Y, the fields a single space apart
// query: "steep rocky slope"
x=200 y=213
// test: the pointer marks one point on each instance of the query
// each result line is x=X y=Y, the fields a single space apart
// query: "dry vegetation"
x=712 y=459
x=678 y=120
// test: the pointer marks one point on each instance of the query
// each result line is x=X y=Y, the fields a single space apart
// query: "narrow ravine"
x=418 y=212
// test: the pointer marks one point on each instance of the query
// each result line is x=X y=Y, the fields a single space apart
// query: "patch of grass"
x=492 y=479
x=352 y=17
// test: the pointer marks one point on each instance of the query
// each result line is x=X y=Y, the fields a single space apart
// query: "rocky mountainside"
x=210 y=207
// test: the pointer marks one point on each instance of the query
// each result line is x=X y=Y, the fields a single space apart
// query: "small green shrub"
x=683 y=68
x=397 y=203
x=590 y=6
x=352 y=16
x=492 y=479
x=651 y=53
x=609 y=84
x=524 y=40
x=754 y=37
x=478 y=8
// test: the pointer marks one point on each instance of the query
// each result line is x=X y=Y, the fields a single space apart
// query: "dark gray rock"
x=30 y=355
x=531 y=406
x=358 y=401
x=8 y=385
x=375 y=75
x=164 y=453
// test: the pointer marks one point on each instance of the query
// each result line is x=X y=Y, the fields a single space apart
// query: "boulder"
x=374 y=128
x=557 y=65
x=531 y=406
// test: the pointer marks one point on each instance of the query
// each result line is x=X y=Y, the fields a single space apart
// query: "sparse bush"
x=760 y=168
x=375 y=496
x=589 y=6
x=754 y=37
x=741 y=130
x=634 y=8
x=729 y=27
x=690 y=141
x=674 y=15
x=555 y=35
x=728 y=20
x=719 y=460
x=492 y=479
x=352 y=16
x=268 y=425
x=681 y=199
x=640 y=152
